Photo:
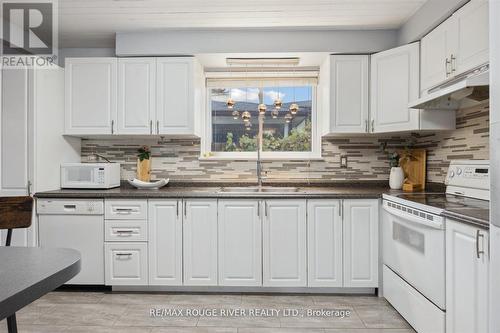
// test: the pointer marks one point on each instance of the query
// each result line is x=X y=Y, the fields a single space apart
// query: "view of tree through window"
x=283 y=131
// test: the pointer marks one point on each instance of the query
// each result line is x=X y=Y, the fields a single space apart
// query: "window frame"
x=206 y=139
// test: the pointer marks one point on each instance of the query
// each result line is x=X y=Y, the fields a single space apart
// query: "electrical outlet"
x=343 y=161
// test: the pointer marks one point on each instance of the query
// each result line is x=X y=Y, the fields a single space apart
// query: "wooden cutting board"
x=413 y=162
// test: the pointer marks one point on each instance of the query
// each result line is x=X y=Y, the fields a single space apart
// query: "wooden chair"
x=15 y=212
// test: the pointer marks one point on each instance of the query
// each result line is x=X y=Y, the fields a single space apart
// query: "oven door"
x=415 y=250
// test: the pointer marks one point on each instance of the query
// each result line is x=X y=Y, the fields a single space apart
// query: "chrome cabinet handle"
x=124 y=233
x=479 y=252
x=452 y=63
x=185 y=210
x=150 y=127
x=265 y=206
x=157 y=127
x=177 y=208
x=373 y=125
x=258 y=209
x=366 y=126
x=112 y=127
x=123 y=254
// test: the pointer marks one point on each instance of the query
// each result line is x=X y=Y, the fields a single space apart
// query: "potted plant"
x=144 y=164
x=397 y=175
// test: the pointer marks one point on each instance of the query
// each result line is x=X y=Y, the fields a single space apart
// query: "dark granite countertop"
x=339 y=190
x=477 y=216
x=467 y=210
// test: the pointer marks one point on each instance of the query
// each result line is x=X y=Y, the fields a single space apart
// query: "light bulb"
x=230 y=103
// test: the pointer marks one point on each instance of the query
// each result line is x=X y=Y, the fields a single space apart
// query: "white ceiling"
x=93 y=23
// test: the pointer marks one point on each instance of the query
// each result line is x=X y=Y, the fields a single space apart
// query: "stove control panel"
x=467 y=178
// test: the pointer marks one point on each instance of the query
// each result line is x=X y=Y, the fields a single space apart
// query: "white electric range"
x=413 y=236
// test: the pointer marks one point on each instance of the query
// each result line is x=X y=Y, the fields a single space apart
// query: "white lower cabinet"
x=284 y=243
x=324 y=243
x=240 y=243
x=467 y=261
x=165 y=242
x=360 y=230
x=126 y=263
x=200 y=242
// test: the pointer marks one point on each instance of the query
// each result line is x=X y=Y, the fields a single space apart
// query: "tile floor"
x=103 y=312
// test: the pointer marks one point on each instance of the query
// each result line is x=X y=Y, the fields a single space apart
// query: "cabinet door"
x=472 y=36
x=436 y=49
x=324 y=245
x=14 y=140
x=394 y=83
x=360 y=243
x=349 y=94
x=200 y=242
x=165 y=242
x=175 y=96
x=284 y=243
x=91 y=94
x=136 y=95
x=240 y=235
x=466 y=278
x=126 y=264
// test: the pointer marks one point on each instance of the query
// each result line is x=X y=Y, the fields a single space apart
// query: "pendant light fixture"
x=294 y=107
x=275 y=113
x=246 y=115
x=230 y=101
x=262 y=106
x=278 y=103
x=288 y=118
x=235 y=114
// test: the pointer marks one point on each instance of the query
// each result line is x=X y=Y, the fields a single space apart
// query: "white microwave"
x=90 y=175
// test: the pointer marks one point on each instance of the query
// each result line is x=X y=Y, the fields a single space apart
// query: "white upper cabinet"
x=394 y=83
x=349 y=85
x=176 y=97
x=360 y=243
x=284 y=243
x=240 y=246
x=160 y=96
x=467 y=261
x=165 y=242
x=324 y=243
x=200 y=242
x=91 y=95
x=136 y=95
x=472 y=48
x=436 y=49
x=457 y=45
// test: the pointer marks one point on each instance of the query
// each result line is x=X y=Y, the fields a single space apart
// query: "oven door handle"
x=410 y=218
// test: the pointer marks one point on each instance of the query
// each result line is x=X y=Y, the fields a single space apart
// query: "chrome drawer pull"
x=123 y=254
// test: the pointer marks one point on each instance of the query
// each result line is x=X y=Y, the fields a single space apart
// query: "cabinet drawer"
x=126 y=231
x=126 y=263
x=126 y=209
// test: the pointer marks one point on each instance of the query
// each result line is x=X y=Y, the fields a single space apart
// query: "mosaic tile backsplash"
x=179 y=159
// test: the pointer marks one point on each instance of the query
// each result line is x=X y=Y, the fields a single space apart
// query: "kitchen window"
x=289 y=127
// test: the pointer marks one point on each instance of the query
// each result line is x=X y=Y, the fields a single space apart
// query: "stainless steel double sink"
x=263 y=189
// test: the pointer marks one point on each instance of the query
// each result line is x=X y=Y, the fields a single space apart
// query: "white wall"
x=84 y=52
x=189 y=42
x=430 y=15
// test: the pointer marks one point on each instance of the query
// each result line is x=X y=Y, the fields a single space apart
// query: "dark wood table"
x=28 y=273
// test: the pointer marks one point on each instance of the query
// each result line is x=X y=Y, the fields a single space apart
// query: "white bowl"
x=147 y=185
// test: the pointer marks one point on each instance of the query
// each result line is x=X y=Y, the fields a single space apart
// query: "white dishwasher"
x=76 y=224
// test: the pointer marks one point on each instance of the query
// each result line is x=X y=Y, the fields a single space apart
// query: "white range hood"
x=465 y=90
